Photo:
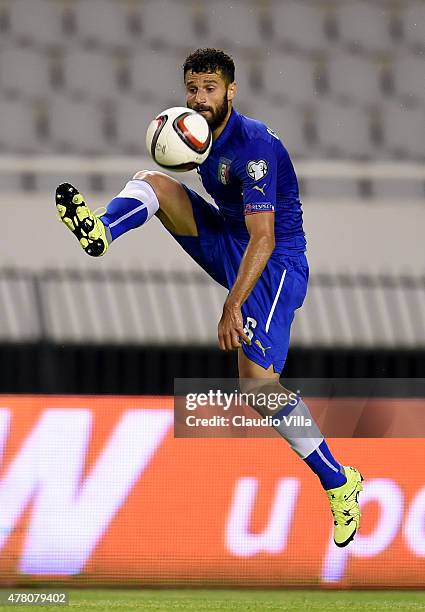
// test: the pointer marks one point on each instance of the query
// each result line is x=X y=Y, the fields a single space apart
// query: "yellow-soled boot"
x=83 y=223
x=344 y=501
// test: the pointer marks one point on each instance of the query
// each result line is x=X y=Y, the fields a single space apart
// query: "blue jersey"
x=248 y=171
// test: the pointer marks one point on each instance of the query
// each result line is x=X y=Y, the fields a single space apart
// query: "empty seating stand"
x=355 y=79
x=90 y=75
x=24 y=73
x=343 y=131
x=317 y=71
x=38 y=22
x=365 y=26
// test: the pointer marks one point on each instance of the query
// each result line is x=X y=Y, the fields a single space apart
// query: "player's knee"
x=146 y=174
x=157 y=180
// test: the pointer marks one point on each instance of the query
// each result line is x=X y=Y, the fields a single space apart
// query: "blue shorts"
x=269 y=310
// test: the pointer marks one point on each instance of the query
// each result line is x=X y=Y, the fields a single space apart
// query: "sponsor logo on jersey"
x=224 y=170
x=260 y=189
x=257 y=169
x=273 y=133
x=263 y=348
x=257 y=207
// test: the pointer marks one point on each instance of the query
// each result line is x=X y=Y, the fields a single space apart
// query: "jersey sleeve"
x=257 y=170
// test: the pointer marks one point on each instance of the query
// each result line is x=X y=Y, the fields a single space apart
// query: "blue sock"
x=320 y=460
x=124 y=214
x=329 y=471
x=132 y=207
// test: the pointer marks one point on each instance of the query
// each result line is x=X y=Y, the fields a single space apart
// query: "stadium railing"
x=160 y=307
x=362 y=179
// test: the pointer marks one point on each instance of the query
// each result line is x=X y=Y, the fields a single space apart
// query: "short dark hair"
x=210 y=60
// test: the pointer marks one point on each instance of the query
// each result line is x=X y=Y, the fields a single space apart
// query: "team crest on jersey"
x=257 y=169
x=224 y=170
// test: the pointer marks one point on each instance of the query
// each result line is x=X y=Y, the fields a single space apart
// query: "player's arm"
x=257 y=172
x=260 y=246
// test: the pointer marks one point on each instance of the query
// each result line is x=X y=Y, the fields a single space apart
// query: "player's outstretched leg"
x=75 y=214
x=341 y=483
x=149 y=193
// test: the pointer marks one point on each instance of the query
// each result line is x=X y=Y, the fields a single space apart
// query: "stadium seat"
x=76 y=126
x=403 y=190
x=24 y=72
x=248 y=77
x=158 y=76
x=90 y=74
x=354 y=78
x=235 y=25
x=300 y=26
x=48 y=182
x=343 y=131
x=409 y=78
x=171 y=24
x=18 y=132
x=36 y=21
x=413 y=21
x=104 y=22
x=404 y=130
x=132 y=120
x=287 y=122
x=290 y=78
x=365 y=25
x=325 y=188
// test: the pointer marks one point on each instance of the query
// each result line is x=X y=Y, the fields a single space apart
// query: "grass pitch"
x=235 y=601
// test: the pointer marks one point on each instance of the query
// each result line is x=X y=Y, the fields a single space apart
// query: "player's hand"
x=230 y=328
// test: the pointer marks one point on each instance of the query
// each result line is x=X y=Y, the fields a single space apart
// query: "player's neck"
x=216 y=133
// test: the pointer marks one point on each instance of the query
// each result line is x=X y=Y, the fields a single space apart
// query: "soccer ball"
x=179 y=139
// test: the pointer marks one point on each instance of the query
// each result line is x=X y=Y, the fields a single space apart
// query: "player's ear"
x=231 y=91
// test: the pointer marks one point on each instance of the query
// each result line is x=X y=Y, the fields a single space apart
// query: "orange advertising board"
x=98 y=490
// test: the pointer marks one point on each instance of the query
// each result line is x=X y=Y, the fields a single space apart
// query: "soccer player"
x=253 y=244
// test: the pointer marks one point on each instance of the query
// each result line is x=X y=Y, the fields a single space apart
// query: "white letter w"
x=70 y=516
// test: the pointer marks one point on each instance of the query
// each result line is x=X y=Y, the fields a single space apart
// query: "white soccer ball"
x=179 y=139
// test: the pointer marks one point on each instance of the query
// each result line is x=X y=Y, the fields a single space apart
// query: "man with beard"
x=253 y=244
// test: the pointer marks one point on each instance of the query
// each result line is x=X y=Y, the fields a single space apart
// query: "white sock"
x=299 y=428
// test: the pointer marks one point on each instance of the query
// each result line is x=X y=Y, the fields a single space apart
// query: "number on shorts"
x=249 y=326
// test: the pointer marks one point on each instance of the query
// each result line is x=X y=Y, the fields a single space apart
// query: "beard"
x=217 y=116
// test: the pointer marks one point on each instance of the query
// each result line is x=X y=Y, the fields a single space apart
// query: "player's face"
x=209 y=94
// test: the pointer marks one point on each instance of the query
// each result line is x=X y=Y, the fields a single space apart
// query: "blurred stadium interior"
x=341 y=81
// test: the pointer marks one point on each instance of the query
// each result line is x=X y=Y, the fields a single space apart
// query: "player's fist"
x=230 y=328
